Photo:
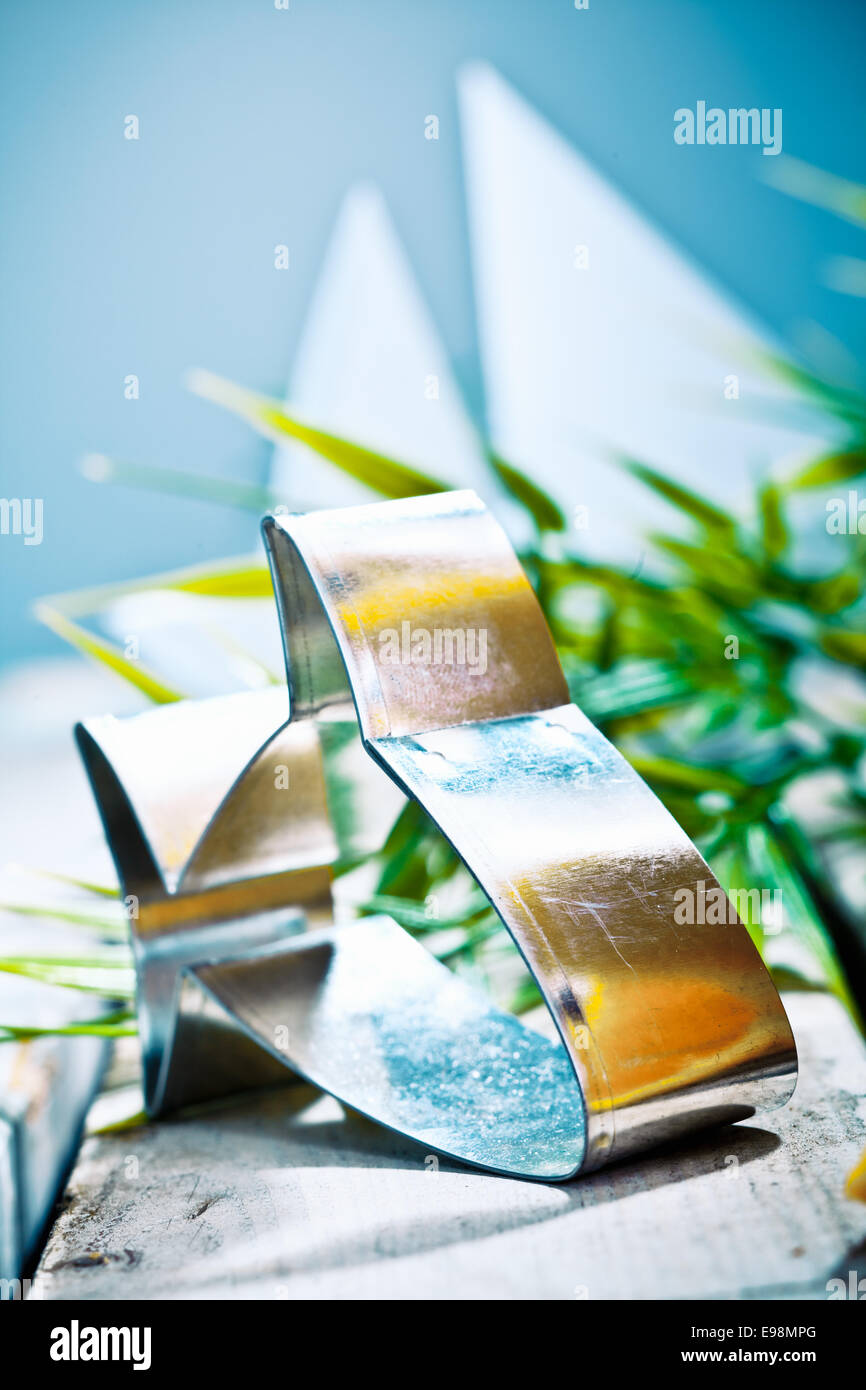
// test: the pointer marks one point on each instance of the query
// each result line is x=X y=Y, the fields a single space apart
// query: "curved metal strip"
x=411 y=626
x=667 y=1028
x=174 y=766
x=369 y=1015
x=376 y=579
x=223 y=821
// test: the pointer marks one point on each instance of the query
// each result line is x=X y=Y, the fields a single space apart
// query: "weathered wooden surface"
x=285 y=1197
x=47 y=821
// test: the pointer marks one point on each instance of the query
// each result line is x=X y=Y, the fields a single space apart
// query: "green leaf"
x=109 y=926
x=241 y=578
x=844 y=644
x=839 y=401
x=95 y=977
x=703 y=511
x=774 y=530
x=831 y=594
x=831 y=468
x=546 y=513
x=177 y=482
x=716 y=570
x=527 y=996
x=785 y=977
x=107 y=654
x=102 y=890
x=775 y=866
x=667 y=772
x=573 y=570
x=404 y=856
x=818 y=187
x=384 y=475
x=631 y=688
x=231 y=580
x=235 y=579
x=415 y=916
x=119 y=1024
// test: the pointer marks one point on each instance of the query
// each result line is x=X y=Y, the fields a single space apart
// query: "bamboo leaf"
x=8 y=1033
x=774 y=529
x=109 y=926
x=839 y=467
x=546 y=513
x=94 y=978
x=774 y=866
x=107 y=654
x=119 y=1024
x=233 y=580
x=102 y=890
x=527 y=996
x=240 y=578
x=818 y=187
x=415 y=915
x=844 y=644
x=384 y=475
x=830 y=595
x=840 y=401
x=177 y=482
x=703 y=511
x=668 y=772
x=733 y=576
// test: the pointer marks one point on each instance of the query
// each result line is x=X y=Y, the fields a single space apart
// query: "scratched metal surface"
x=663 y=1029
x=369 y=1015
x=667 y=1028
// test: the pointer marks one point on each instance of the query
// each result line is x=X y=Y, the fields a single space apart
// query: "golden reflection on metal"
x=664 y=1028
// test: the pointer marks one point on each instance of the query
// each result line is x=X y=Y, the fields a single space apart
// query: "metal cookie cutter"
x=660 y=1028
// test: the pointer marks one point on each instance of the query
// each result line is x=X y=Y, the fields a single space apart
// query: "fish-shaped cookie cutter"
x=415 y=648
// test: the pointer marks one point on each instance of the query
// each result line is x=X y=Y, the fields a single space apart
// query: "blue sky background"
x=157 y=255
